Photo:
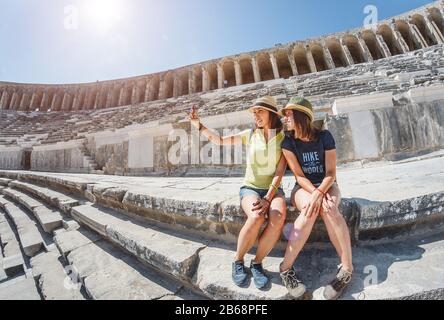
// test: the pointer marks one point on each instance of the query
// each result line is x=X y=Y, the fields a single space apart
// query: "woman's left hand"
x=261 y=207
x=315 y=203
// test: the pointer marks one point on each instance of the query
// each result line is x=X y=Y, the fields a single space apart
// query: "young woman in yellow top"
x=262 y=198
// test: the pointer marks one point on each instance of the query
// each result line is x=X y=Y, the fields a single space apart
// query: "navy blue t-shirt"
x=311 y=155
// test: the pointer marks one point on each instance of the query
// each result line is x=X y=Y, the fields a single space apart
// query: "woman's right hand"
x=194 y=117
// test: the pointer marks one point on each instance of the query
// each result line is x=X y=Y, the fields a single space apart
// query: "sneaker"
x=259 y=276
x=239 y=274
x=294 y=286
x=337 y=287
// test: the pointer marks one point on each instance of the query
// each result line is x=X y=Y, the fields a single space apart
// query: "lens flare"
x=105 y=13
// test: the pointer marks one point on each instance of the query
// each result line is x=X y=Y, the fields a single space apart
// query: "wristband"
x=274 y=187
x=323 y=193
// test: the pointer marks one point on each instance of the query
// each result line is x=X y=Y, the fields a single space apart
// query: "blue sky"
x=110 y=39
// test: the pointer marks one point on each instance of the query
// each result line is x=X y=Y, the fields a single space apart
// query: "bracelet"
x=323 y=193
x=274 y=187
x=269 y=203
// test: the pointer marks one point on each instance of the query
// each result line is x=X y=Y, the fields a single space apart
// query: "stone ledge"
x=220 y=215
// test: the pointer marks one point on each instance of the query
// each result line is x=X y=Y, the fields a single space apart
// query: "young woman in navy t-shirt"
x=311 y=155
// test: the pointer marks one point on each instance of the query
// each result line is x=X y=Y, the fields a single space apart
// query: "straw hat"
x=268 y=103
x=299 y=104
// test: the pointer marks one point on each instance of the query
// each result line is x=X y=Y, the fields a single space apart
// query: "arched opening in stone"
x=387 y=34
x=436 y=17
x=265 y=67
x=229 y=73
x=68 y=99
x=336 y=52
x=57 y=101
x=419 y=22
x=197 y=74
x=114 y=96
x=168 y=85
x=140 y=92
x=97 y=94
x=92 y=98
x=318 y=56
x=153 y=88
x=46 y=103
x=300 y=58
x=128 y=91
x=404 y=30
x=22 y=101
x=283 y=64
x=246 y=69
x=212 y=74
x=81 y=96
x=370 y=40
x=7 y=101
x=183 y=83
x=36 y=100
x=104 y=96
x=352 y=43
x=15 y=101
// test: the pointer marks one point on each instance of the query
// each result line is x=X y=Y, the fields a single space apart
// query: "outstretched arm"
x=212 y=136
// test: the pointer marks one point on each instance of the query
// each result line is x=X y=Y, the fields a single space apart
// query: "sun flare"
x=105 y=13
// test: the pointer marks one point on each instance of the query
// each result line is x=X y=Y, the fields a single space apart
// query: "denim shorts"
x=260 y=193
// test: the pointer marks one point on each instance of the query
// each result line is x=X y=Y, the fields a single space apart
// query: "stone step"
x=53 y=280
x=3 y=275
x=12 y=262
x=213 y=276
x=411 y=269
x=162 y=249
x=70 y=224
x=55 y=198
x=48 y=218
x=108 y=273
x=30 y=238
x=19 y=288
x=4 y=181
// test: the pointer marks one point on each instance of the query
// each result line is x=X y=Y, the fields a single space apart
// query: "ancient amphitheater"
x=92 y=207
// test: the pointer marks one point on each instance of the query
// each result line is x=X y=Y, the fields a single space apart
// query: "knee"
x=277 y=219
x=313 y=216
x=332 y=214
x=255 y=220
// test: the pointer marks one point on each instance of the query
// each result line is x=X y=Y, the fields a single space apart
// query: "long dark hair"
x=305 y=128
x=275 y=123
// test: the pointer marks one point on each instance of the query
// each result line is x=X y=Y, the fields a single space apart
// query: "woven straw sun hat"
x=268 y=103
x=299 y=104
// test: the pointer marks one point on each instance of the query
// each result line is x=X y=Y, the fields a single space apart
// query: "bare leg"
x=336 y=223
x=301 y=231
x=250 y=231
x=331 y=233
x=272 y=233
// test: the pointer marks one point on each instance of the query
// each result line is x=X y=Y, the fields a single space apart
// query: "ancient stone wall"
x=412 y=31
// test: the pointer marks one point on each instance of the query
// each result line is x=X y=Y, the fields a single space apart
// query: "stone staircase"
x=55 y=258
x=88 y=160
x=112 y=253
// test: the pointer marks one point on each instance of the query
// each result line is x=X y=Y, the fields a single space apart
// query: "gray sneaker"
x=337 y=287
x=294 y=286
